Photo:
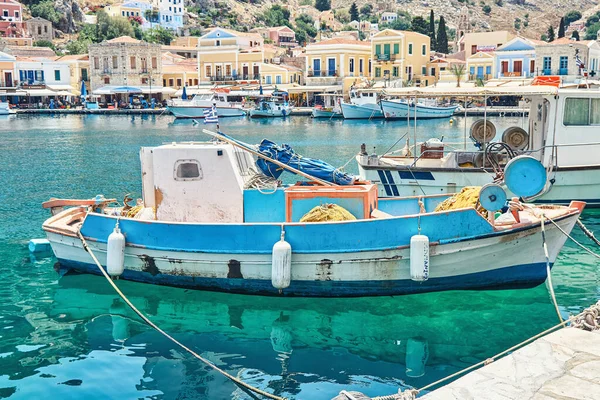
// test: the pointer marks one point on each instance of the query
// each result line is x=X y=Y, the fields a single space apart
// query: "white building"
x=43 y=71
x=170 y=13
x=388 y=17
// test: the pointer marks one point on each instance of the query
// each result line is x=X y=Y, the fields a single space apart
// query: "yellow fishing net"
x=327 y=212
x=467 y=197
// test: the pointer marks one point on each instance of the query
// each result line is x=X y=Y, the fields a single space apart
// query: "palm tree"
x=458 y=70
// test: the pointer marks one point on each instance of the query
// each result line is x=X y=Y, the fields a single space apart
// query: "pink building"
x=11 y=18
x=283 y=36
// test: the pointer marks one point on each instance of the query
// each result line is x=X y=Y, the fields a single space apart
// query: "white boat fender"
x=281 y=265
x=39 y=246
x=419 y=258
x=115 y=252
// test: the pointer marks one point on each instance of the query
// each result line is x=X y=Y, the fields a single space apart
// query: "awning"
x=194 y=90
x=158 y=89
x=13 y=93
x=315 y=89
x=473 y=91
x=40 y=92
x=113 y=89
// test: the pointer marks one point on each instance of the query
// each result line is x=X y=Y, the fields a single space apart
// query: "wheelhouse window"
x=187 y=170
x=581 y=112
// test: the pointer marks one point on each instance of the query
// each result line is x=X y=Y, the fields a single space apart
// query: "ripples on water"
x=70 y=337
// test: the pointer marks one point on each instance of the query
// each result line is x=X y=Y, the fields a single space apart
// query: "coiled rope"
x=587 y=232
x=235 y=380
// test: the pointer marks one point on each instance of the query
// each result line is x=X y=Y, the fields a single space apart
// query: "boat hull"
x=361 y=111
x=269 y=114
x=497 y=260
x=570 y=183
x=198 y=111
x=400 y=110
x=326 y=114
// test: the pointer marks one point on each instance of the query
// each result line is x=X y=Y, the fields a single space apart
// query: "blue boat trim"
x=517 y=276
x=384 y=181
x=418 y=175
x=390 y=179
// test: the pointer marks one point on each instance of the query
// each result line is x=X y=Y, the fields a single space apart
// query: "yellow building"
x=475 y=42
x=7 y=70
x=79 y=66
x=481 y=65
x=273 y=74
x=225 y=55
x=121 y=10
x=332 y=60
x=178 y=71
x=400 y=55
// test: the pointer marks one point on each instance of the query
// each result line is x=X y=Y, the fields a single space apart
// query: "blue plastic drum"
x=492 y=197
x=525 y=176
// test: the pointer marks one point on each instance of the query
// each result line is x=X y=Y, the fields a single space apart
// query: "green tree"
x=591 y=31
x=431 y=31
x=354 y=13
x=561 y=28
x=342 y=15
x=276 y=16
x=78 y=46
x=45 y=9
x=158 y=34
x=366 y=10
x=572 y=16
x=323 y=5
x=442 y=37
x=486 y=9
x=458 y=70
x=550 y=34
x=44 y=43
x=305 y=28
x=418 y=24
x=575 y=36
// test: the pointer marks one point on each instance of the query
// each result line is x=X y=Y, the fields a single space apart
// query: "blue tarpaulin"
x=285 y=154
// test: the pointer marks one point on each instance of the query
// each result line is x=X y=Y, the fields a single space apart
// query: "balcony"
x=385 y=57
x=234 y=78
x=511 y=74
x=323 y=73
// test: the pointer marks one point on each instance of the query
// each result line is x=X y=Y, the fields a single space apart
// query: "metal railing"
x=485 y=77
x=231 y=78
x=385 y=57
x=323 y=73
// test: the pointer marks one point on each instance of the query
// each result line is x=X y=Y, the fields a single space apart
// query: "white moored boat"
x=203 y=223
x=271 y=108
x=422 y=109
x=331 y=107
x=5 y=108
x=562 y=133
x=195 y=107
x=363 y=105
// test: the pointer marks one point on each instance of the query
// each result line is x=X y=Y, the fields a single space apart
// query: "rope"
x=237 y=381
x=548 y=271
x=576 y=242
x=587 y=232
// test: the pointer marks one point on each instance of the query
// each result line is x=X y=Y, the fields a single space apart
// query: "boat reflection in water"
x=289 y=346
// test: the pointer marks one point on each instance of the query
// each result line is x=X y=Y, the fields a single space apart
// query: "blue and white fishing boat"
x=273 y=106
x=331 y=107
x=214 y=217
x=194 y=108
x=422 y=109
x=561 y=132
x=363 y=105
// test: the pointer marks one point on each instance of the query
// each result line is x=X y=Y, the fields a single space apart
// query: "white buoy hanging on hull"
x=419 y=258
x=115 y=252
x=281 y=265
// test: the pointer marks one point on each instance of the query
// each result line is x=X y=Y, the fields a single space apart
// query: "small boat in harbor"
x=195 y=107
x=5 y=108
x=363 y=104
x=214 y=216
x=422 y=109
x=331 y=107
x=271 y=107
x=560 y=133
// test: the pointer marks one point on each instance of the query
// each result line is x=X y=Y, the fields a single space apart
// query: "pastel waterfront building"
x=40 y=71
x=400 y=55
x=481 y=66
x=7 y=68
x=79 y=71
x=559 y=58
x=330 y=61
x=277 y=74
x=229 y=56
x=475 y=42
x=178 y=71
x=125 y=61
x=516 y=58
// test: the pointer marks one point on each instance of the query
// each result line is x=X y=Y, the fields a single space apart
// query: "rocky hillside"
x=530 y=18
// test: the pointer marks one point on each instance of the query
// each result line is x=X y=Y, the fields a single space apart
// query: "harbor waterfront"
x=68 y=336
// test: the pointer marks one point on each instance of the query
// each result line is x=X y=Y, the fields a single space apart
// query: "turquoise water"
x=70 y=337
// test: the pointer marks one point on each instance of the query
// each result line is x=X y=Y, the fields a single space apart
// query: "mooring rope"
x=587 y=232
x=237 y=381
x=575 y=241
x=549 y=272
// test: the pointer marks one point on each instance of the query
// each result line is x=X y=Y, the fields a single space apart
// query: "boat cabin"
x=215 y=182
